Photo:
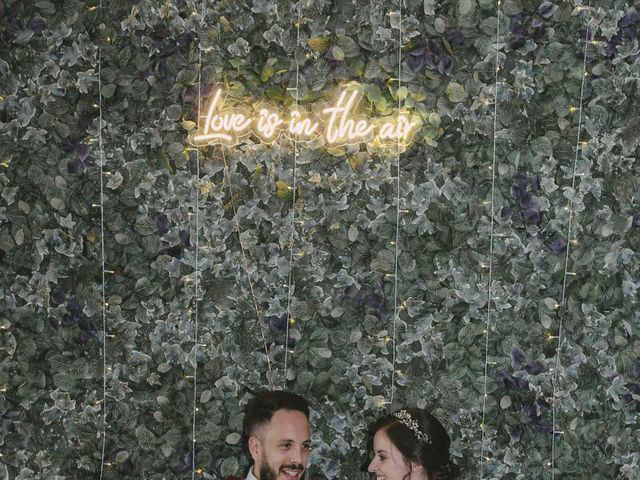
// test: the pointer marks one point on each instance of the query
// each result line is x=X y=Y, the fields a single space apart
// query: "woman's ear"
x=418 y=471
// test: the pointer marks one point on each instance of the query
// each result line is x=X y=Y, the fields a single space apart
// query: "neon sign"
x=337 y=124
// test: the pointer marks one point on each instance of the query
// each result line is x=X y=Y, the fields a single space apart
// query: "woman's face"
x=388 y=463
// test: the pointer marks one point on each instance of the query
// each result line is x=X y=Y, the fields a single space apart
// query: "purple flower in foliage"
x=506 y=212
x=354 y=294
x=518 y=193
x=74 y=312
x=531 y=216
x=79 y=152
x=185 y=238
x=521 y=384
x=455 y=37
x=277 y=324
x=515 y=42
x=8 y=425
x=629 y=19
x=526 y=200
x=512 y=382
x=542 y=426
x=534 y=368
x=531 y=411
x=516 y=435
x=534 y=183
x=56 y=298
x=517 y=357
x=636 y=369
x=636 y=220
x=184 y=40
x=612 y=43
x=547 y=9
x=538 y=29
x=190 y=94
x=373 y=300
x=167 y=51
x=519 y=181
x=162 y=223
x=38 y=24
x=558 y=246
x=431 y=61
x=515 y=25
x=445 y=65
x=416 y=59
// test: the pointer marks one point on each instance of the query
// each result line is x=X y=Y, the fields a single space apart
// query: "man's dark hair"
x=261 y=408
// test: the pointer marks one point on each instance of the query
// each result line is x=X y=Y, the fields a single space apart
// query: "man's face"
x=280 y=448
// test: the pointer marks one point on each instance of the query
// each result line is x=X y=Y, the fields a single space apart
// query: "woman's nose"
x=371 y=468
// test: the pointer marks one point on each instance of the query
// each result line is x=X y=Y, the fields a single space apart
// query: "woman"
x=411 y=444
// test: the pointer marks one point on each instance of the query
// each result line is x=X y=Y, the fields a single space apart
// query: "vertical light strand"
x=397 y=238
x=556 y=368
x=197 y=274
x=256 y=305
x=293 y=206
x=487 y=328
x=103 y=261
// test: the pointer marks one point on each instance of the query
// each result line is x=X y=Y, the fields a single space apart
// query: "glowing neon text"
x=338 y=124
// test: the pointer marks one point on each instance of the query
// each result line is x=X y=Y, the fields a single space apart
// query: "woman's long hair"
x=432 y=454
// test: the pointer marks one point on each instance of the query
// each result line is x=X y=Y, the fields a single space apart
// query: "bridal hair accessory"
x=405 y=418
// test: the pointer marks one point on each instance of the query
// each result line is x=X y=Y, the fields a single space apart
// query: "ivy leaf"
x=455 y=92
x=146 y=439
x=542 y=146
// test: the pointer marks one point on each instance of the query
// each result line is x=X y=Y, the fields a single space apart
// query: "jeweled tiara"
x=407 y=420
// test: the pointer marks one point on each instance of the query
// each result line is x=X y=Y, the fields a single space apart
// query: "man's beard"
x=266 y=473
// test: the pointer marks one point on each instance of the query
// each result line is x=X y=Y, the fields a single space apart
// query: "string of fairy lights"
x=487 y=327
x=560 y=337
x=196 y=283
x=397 y=232
x=103 y=406
x=290 y=286
x=245 y=268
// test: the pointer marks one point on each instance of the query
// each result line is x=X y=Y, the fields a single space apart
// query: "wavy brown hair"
x=432 y=455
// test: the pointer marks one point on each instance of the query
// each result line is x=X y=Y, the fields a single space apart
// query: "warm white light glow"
x=338 y=124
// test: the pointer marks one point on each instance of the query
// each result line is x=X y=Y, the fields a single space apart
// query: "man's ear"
x=255 y=448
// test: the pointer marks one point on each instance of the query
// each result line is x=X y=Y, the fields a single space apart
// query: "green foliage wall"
x=166 y=207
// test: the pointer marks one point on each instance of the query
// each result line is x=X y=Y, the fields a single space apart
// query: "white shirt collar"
x=250 y=475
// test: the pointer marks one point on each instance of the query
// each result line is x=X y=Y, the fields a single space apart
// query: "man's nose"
x=296 y=455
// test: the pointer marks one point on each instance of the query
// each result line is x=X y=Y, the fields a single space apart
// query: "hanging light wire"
x=103 y=405
x=397 y=236
x=487 y=328
x=197 y=276
x=243 y=254
x=293 y=208
x=560 y=336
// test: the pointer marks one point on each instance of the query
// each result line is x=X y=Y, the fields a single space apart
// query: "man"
x=279 y=436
